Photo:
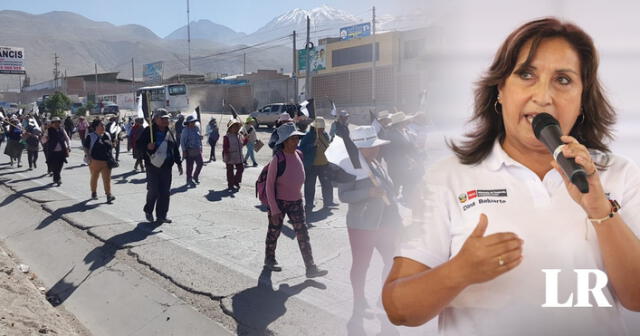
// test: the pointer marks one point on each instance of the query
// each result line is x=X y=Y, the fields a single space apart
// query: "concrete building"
x=347 y=78
x=107 y=83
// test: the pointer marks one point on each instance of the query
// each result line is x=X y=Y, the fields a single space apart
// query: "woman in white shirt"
x=500 y=214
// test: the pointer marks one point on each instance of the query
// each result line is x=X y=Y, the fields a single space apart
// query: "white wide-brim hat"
x=366 y=137
x=285 y=131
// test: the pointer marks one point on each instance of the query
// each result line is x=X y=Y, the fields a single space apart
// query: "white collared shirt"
x=556 y=235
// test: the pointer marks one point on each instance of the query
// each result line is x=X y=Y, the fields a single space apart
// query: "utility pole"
x=133 y=81
x=189 y=36
x=308 y=47
x=294 y=73
x=66 y=86
x=95 y=89
x=373 y=60
x=244 y=64
x=56 y=73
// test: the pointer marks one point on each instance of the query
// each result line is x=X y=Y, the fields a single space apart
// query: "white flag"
x=303 y=108
x=140 y=113
x=33 y=123
x=337 y=154
x=334 y=111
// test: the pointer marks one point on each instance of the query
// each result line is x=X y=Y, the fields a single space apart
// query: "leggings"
x=295 y=211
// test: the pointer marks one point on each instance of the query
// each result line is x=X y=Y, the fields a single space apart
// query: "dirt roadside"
x=24 y=309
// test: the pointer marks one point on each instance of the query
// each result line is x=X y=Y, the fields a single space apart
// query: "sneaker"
x=149 y=217
x=30 y=168
x=331 y=205
x=164 y=221
x=110 y=198
x=313 y=272
x=58 y=183
x=237 y=186
x=255 y=164
x=94 y=196
x=272 y=265
x=196 y=180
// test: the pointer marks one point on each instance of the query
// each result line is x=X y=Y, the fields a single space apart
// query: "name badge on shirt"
x=470 y=198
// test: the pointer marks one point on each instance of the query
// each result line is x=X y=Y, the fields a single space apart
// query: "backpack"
x=261 y=182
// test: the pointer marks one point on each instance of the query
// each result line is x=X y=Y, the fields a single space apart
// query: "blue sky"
x=163 y=17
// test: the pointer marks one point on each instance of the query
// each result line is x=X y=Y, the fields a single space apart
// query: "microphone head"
x=541 y=121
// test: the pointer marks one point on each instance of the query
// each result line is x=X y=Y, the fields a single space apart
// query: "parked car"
x=110 y=109
x=269 y=114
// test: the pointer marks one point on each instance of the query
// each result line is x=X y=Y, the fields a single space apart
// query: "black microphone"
x=547 y=130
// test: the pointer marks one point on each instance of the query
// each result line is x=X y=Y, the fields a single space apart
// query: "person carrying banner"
x=161 y=151
x=136 y=130
x=373 y=219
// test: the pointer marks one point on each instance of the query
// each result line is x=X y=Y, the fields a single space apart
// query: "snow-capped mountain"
x=325 y=21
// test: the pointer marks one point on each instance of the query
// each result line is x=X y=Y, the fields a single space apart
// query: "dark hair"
x=598 y=115
x=95 y=123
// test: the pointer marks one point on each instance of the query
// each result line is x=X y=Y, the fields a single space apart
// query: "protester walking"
x=136 y=130
x=114 y=129
x=178 y=127
x=213 y=135
x=32 y=139
x=58 y=148
x=3 y=130
x=373 y=221
x=285 y=198
x=161 y=151
x=14 y=146
x=97 y=148
x=316 y=166
x=191 y=143
x=232 y=154
x=68 y=126
x=249 y=134
x=82 y=127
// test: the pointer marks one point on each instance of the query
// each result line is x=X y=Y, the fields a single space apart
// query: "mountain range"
x=81 y=43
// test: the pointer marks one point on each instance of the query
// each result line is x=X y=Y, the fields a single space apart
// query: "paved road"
x=215 y=246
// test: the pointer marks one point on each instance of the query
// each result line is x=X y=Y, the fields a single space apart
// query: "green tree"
x=57 y=104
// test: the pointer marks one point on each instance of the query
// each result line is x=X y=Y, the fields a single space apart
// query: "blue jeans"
x=250 y=152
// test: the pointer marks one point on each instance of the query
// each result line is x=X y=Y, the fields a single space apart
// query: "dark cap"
x=160 y=113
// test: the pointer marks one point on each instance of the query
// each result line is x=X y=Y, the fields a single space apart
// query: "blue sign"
x=357 y=31
x=152 y=72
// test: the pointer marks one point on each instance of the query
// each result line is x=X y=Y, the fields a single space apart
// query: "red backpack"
x=261 y=182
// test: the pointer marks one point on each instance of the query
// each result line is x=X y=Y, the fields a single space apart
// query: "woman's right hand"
x=151 y=146
x=483 y=258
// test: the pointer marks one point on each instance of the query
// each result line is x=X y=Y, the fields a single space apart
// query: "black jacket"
x=173 y=148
